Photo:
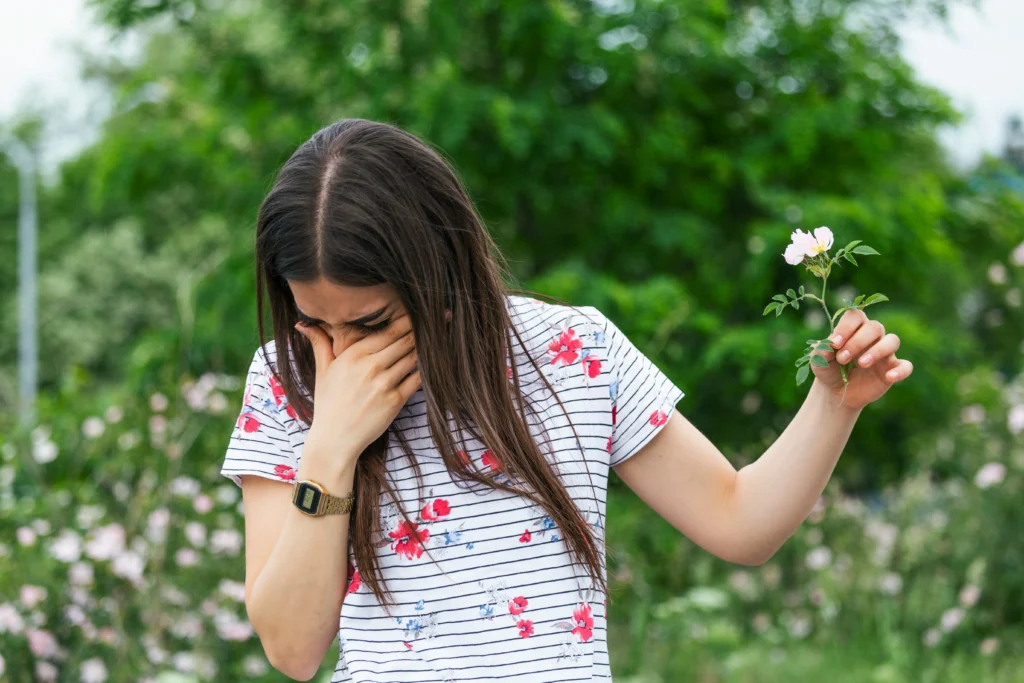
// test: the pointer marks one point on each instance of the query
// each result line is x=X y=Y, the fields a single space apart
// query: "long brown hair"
x=363 y=203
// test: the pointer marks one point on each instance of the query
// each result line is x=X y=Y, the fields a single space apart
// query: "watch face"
x=308 y=498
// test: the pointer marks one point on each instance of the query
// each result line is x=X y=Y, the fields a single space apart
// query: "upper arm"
x=266 y=504
x=261 y=460
x=683 y=477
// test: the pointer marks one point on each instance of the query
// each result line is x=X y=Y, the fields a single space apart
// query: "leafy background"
x=647 y=157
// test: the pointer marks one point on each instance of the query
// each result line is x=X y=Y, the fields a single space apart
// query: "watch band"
x=337 y=505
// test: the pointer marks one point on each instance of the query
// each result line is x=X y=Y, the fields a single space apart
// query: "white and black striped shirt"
x=501 y=601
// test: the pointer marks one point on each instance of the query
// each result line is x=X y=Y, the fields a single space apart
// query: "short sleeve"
x=259 y=442
x=643 y=397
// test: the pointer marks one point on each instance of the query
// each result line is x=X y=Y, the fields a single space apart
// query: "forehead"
x=337 y=304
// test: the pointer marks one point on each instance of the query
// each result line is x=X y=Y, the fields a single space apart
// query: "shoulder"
x=533 y=315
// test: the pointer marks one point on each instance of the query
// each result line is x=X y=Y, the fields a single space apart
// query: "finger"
x=865 y=336
x=847 y=326
x=396 y=351
x=888 y=346
x=373 y=343
x=401 y=368
x=409 y=385
x=899 y=372
x=323 y=351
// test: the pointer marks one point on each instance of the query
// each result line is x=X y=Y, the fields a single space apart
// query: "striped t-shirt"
x=502 y=601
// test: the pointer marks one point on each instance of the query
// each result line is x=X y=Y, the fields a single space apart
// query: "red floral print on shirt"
x=436 y=510
x=526 y=537
x=584 y=621
x=408 y=540
x=463 y=456
x=276 y=389
x=592 y=364
x=525 y=628
x=565 y=348
x=354 y=581
x=248 y=423
x=489 y=460
x=615 y=414
x=609 y=446
x=658 y=418
x=284 y=471
x=517 y=605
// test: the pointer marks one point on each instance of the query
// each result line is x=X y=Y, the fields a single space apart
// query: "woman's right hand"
x=359 y=392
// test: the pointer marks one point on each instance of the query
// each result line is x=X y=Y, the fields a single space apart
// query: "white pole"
x=28 y=379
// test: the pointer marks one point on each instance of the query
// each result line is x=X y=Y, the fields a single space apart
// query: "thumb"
x=323 y=354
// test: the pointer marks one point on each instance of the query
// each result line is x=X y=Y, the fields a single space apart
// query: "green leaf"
x=851 y=245
x=795 y=304
x=770 y=307
x=866 y=250
x=824 y=345
x=801 y=290
x=790 y=293
x=802 y=360
x=876 y=298
x=851 y=259
x=781 y=298
x=802 y=373
x=856 y=302
x=819 y=361
x=778 y=311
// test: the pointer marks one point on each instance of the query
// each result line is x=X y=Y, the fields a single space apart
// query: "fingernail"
x=865 y=359
x=843 y=356
x=837 y=340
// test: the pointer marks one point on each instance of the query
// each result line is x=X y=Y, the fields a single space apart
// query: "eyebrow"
x=363 y=320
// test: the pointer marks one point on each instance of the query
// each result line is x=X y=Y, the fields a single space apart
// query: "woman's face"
x=346 y=314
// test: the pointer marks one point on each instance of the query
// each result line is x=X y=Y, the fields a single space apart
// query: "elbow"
x=295 y=667
x=293 y=659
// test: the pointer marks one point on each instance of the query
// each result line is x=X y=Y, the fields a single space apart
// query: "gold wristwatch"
x=313 y=499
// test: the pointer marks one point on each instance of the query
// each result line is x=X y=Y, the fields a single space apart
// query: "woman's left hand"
x=871 y=356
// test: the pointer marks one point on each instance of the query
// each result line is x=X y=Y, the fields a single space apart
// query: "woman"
x=431 y=463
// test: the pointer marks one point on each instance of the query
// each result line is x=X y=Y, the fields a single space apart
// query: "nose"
x=340 y=342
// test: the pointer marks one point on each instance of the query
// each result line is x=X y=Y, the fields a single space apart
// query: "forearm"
x=296 y=600
x=773 y=495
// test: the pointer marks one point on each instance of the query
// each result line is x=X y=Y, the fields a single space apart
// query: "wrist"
x=832 y=401
x=335 y=471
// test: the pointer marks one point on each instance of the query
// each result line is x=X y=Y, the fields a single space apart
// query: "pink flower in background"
x=969 y=595
x=1015 y=420
x=805 y=245
x=988 y=646
x=951 y=618
x=80 y=574
x=202 y=503
x=94 y=671
x=10 y=619
x=25 y=535
x=45 y=672
x=990 y=474
x=41 y=643
x=32 y=595
x=106 y=542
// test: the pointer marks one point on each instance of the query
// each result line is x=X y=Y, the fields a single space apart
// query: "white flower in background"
x=255 y=666
x=814 y=536
x=46 y=672
x=31 y=595
x=93 y=427
x=41 y=643
x=195 y=532
x=972 y=414
x=173 y=451
x=230 y=627
x=988 y=646
x=890 y=583
x=184 y=486
x=202 y=503
x=128 y=440
x=10 y=619
x=94 y=671
x=75 y=615
x=173 y=595
x=227 y=494
x=969 y=595
x=41 y=526
x=87 y=515
x=997 y=273
x=208 y=607
x=80 y=574
x=109 y=636
x=44 y=451
x=799 y=627
x=186 y=557
x=931 y=637
x=67 y=547
x=1017 y=255
x=218 y=403
x=226 y=541
x=990 y=474
x=1015 y=420
x=129 y=565
x=113 y=414
x=25 y=535
x=951 y=618
x=232 y=589
x=158 y=403
x=188 y=626
x=819 y=558
x=106 y=542
x=158 y=425
x=156 y=527
x=37 y=618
